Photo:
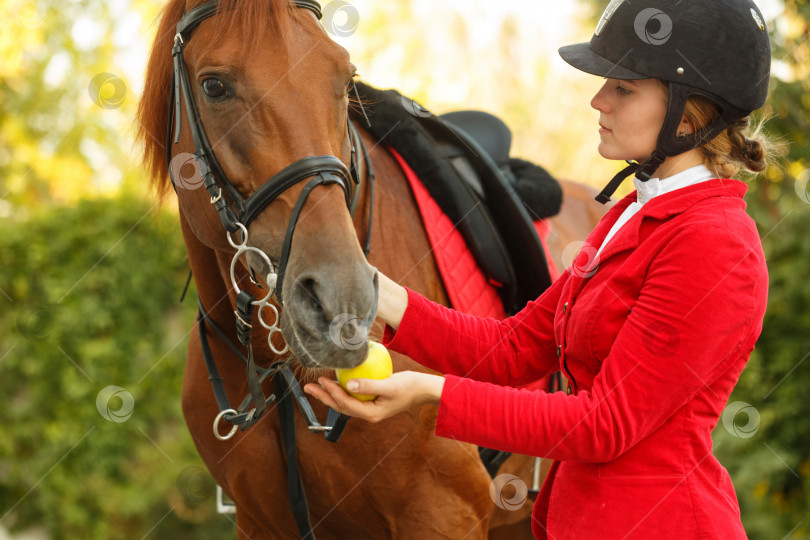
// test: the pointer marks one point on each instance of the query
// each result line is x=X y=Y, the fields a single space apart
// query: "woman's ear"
x=684 y=128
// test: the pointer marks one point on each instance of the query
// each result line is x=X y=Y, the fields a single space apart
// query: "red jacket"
x=652 y=336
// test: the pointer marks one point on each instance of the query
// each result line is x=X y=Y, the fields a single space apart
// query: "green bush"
x=770 y=464
x=89 y=298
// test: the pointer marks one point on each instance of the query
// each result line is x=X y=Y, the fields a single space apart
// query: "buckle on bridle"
x=216 y=198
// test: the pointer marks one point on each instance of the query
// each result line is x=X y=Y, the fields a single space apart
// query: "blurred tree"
x=94 y=445
x=66 y=101
x=80 y=309
x=764 y=438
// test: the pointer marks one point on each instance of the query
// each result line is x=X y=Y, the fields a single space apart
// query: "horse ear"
x=153 y=108
x=536 y=188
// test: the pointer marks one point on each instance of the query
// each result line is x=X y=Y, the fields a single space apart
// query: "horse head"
x=259 y=149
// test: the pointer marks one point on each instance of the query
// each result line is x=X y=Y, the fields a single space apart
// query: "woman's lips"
x=603 y=129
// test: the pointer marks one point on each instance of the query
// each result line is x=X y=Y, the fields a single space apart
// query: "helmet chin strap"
x=669 y=143
x=643 y=172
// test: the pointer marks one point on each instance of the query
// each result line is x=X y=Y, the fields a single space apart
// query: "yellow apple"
x=377 y=365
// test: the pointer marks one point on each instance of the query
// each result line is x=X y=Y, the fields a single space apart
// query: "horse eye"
x=214 y=88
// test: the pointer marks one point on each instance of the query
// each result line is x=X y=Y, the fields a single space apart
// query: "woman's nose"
x=598 y=101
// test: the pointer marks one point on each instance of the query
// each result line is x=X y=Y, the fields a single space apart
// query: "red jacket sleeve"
x=515 y=351
x=713 y=303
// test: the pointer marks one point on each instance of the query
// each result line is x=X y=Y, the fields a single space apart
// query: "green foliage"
x=66 y=103
x=89 y=300
x=771 y=469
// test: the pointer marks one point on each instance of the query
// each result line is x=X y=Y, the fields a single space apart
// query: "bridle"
x=236 y=214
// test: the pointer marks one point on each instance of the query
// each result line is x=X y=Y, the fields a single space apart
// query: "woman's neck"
x=677 y=164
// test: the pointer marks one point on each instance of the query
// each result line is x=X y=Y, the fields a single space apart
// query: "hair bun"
x=754 y=155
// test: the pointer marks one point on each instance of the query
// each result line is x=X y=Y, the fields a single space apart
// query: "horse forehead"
x=216 y=44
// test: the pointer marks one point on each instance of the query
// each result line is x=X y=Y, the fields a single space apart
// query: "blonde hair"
x=736 y=147
x=739 y=146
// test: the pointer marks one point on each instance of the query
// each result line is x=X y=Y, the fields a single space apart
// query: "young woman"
x=653 y=322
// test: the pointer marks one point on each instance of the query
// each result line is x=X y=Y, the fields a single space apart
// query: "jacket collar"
x=661 y=207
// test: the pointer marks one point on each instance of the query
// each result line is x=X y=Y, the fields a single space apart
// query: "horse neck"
x=400 y=247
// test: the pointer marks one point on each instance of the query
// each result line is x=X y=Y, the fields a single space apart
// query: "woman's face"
x=632 y=113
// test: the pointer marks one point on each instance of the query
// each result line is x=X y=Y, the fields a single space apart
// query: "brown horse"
x=269 y=90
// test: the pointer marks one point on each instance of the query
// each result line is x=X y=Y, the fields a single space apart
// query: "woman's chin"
x=608 y=153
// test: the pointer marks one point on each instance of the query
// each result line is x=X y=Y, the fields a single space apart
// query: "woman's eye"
x=214 y=88
x=622 y=90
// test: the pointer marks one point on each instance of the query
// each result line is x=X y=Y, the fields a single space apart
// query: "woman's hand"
x=399 y=392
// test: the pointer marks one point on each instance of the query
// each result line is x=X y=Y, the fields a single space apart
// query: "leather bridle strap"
x=210 y=169
x=326 y=166
x=321 y=178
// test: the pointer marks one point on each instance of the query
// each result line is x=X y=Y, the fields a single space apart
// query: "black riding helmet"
x=717 y=49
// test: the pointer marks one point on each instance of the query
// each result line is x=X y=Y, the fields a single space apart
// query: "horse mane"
x=249 y=20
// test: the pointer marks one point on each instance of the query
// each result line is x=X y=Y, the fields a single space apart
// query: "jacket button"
x=559 y=351
x=565 y=307
x=570 y=390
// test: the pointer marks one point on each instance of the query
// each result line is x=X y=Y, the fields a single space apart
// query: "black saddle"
x=463 y=160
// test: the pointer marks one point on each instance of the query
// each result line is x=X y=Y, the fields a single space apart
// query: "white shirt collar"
x=655 y=186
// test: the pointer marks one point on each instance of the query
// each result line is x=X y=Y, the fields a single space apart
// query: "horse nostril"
x=319 y=307
x=309 y=297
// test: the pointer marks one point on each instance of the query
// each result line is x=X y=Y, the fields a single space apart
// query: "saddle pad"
x=467 y=288
x=466 y=285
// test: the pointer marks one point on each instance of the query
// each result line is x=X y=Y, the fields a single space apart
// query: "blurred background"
x=92 y=265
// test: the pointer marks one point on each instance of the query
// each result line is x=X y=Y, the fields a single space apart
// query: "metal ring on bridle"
x=273 y=348
x=276 y=316
x=216 y=425
x=244 y=232
x=242 y=249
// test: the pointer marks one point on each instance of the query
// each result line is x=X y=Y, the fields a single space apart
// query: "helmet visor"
x=583 y=58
